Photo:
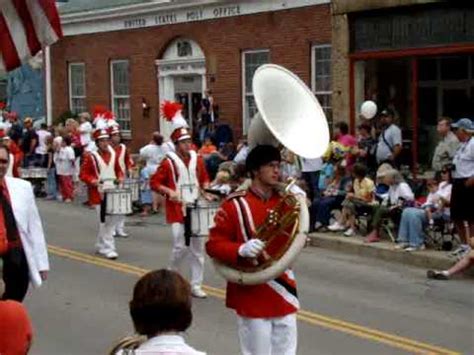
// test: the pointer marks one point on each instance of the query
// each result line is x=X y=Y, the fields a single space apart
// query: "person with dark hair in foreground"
x=161 y=311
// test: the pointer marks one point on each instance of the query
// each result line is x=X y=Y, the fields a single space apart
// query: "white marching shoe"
x=197 y=292
x=112 y=255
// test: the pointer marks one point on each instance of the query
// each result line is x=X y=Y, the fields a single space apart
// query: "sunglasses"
x=3 y=161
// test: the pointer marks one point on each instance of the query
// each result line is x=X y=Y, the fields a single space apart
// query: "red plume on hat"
x=170 y=109
x=98 y=110
x=102 y=117
x=172 y=112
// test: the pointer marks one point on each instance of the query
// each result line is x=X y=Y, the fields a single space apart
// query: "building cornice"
x=165 y=13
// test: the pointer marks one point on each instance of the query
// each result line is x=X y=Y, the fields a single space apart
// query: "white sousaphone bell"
x=289 y=114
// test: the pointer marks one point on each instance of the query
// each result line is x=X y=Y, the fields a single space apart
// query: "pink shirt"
x=347 y=140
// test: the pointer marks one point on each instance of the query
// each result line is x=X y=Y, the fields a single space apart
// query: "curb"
x=427 y=259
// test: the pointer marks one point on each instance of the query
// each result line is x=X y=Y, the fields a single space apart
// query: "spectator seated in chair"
x=207 y=148
x=399 y=195
x=358 y=201
x=411 y=236
x=332 y=198
x=214 y=158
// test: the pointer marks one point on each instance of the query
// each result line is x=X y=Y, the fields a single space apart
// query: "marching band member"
x=101 y=169
x=179 y=177
x=266 y=312
x=16 y=155
x=126 y=163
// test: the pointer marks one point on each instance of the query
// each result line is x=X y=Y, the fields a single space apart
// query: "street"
x=350 y=304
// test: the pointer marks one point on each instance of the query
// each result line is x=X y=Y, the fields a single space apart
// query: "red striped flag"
x=25 y=27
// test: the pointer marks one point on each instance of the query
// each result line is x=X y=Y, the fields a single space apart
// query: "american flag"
x=25 y=27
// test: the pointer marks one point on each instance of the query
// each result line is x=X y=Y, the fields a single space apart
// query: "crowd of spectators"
x=360 y=181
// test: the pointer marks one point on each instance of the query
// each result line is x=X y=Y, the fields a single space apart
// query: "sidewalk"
x=427 y=259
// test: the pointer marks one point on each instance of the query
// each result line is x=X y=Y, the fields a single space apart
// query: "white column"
x=166 y=92
x=48 y=88
x=203 y=83
x=359 y=86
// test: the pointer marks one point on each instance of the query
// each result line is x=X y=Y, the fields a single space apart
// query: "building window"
x=184 y=49
x=321 y=78
x=77 y=87
x=121 y=93
x=251 y=60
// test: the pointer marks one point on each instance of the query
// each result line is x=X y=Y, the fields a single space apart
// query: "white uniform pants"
x=194 y=253
x=120 y=228
x=105 y=237
x=268 y=336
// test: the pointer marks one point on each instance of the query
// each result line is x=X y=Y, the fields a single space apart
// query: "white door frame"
x=172 y=66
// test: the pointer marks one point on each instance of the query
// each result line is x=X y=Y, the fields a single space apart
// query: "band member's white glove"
x=251 y=248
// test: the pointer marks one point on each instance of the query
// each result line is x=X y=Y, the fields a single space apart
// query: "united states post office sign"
x=410 y=27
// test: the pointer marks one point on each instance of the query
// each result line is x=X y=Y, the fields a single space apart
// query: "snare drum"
x=202 y=216
x=118 y=201
x=34 y=173
x=38 y=173
x=25 y=173
x=134 y=186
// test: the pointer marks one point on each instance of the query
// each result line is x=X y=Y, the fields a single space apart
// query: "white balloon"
x=368 y=109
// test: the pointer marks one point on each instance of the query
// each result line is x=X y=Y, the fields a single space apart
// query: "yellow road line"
x=395 y=341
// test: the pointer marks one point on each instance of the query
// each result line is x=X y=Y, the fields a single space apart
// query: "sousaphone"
x=290 y=115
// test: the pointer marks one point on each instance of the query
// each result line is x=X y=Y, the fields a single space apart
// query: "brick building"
x=414 y=56
x=140 y=53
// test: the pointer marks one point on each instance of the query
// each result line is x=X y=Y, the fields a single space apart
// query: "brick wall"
x=288 y=34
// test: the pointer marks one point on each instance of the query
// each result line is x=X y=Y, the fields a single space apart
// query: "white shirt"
x=64 y=160
x=85 y=130
x=224 y=189
x=464 y=160
x=402 y=190
x=165 y=345
x=308 y=165
x=388 y=139
x=241 y=154
x=153 y=155
x=42 y=137
x=444 y=191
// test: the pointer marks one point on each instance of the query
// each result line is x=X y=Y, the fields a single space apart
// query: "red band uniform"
x=266 y=312
x=102 y=167
x=182 y=173
x=168 y=174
